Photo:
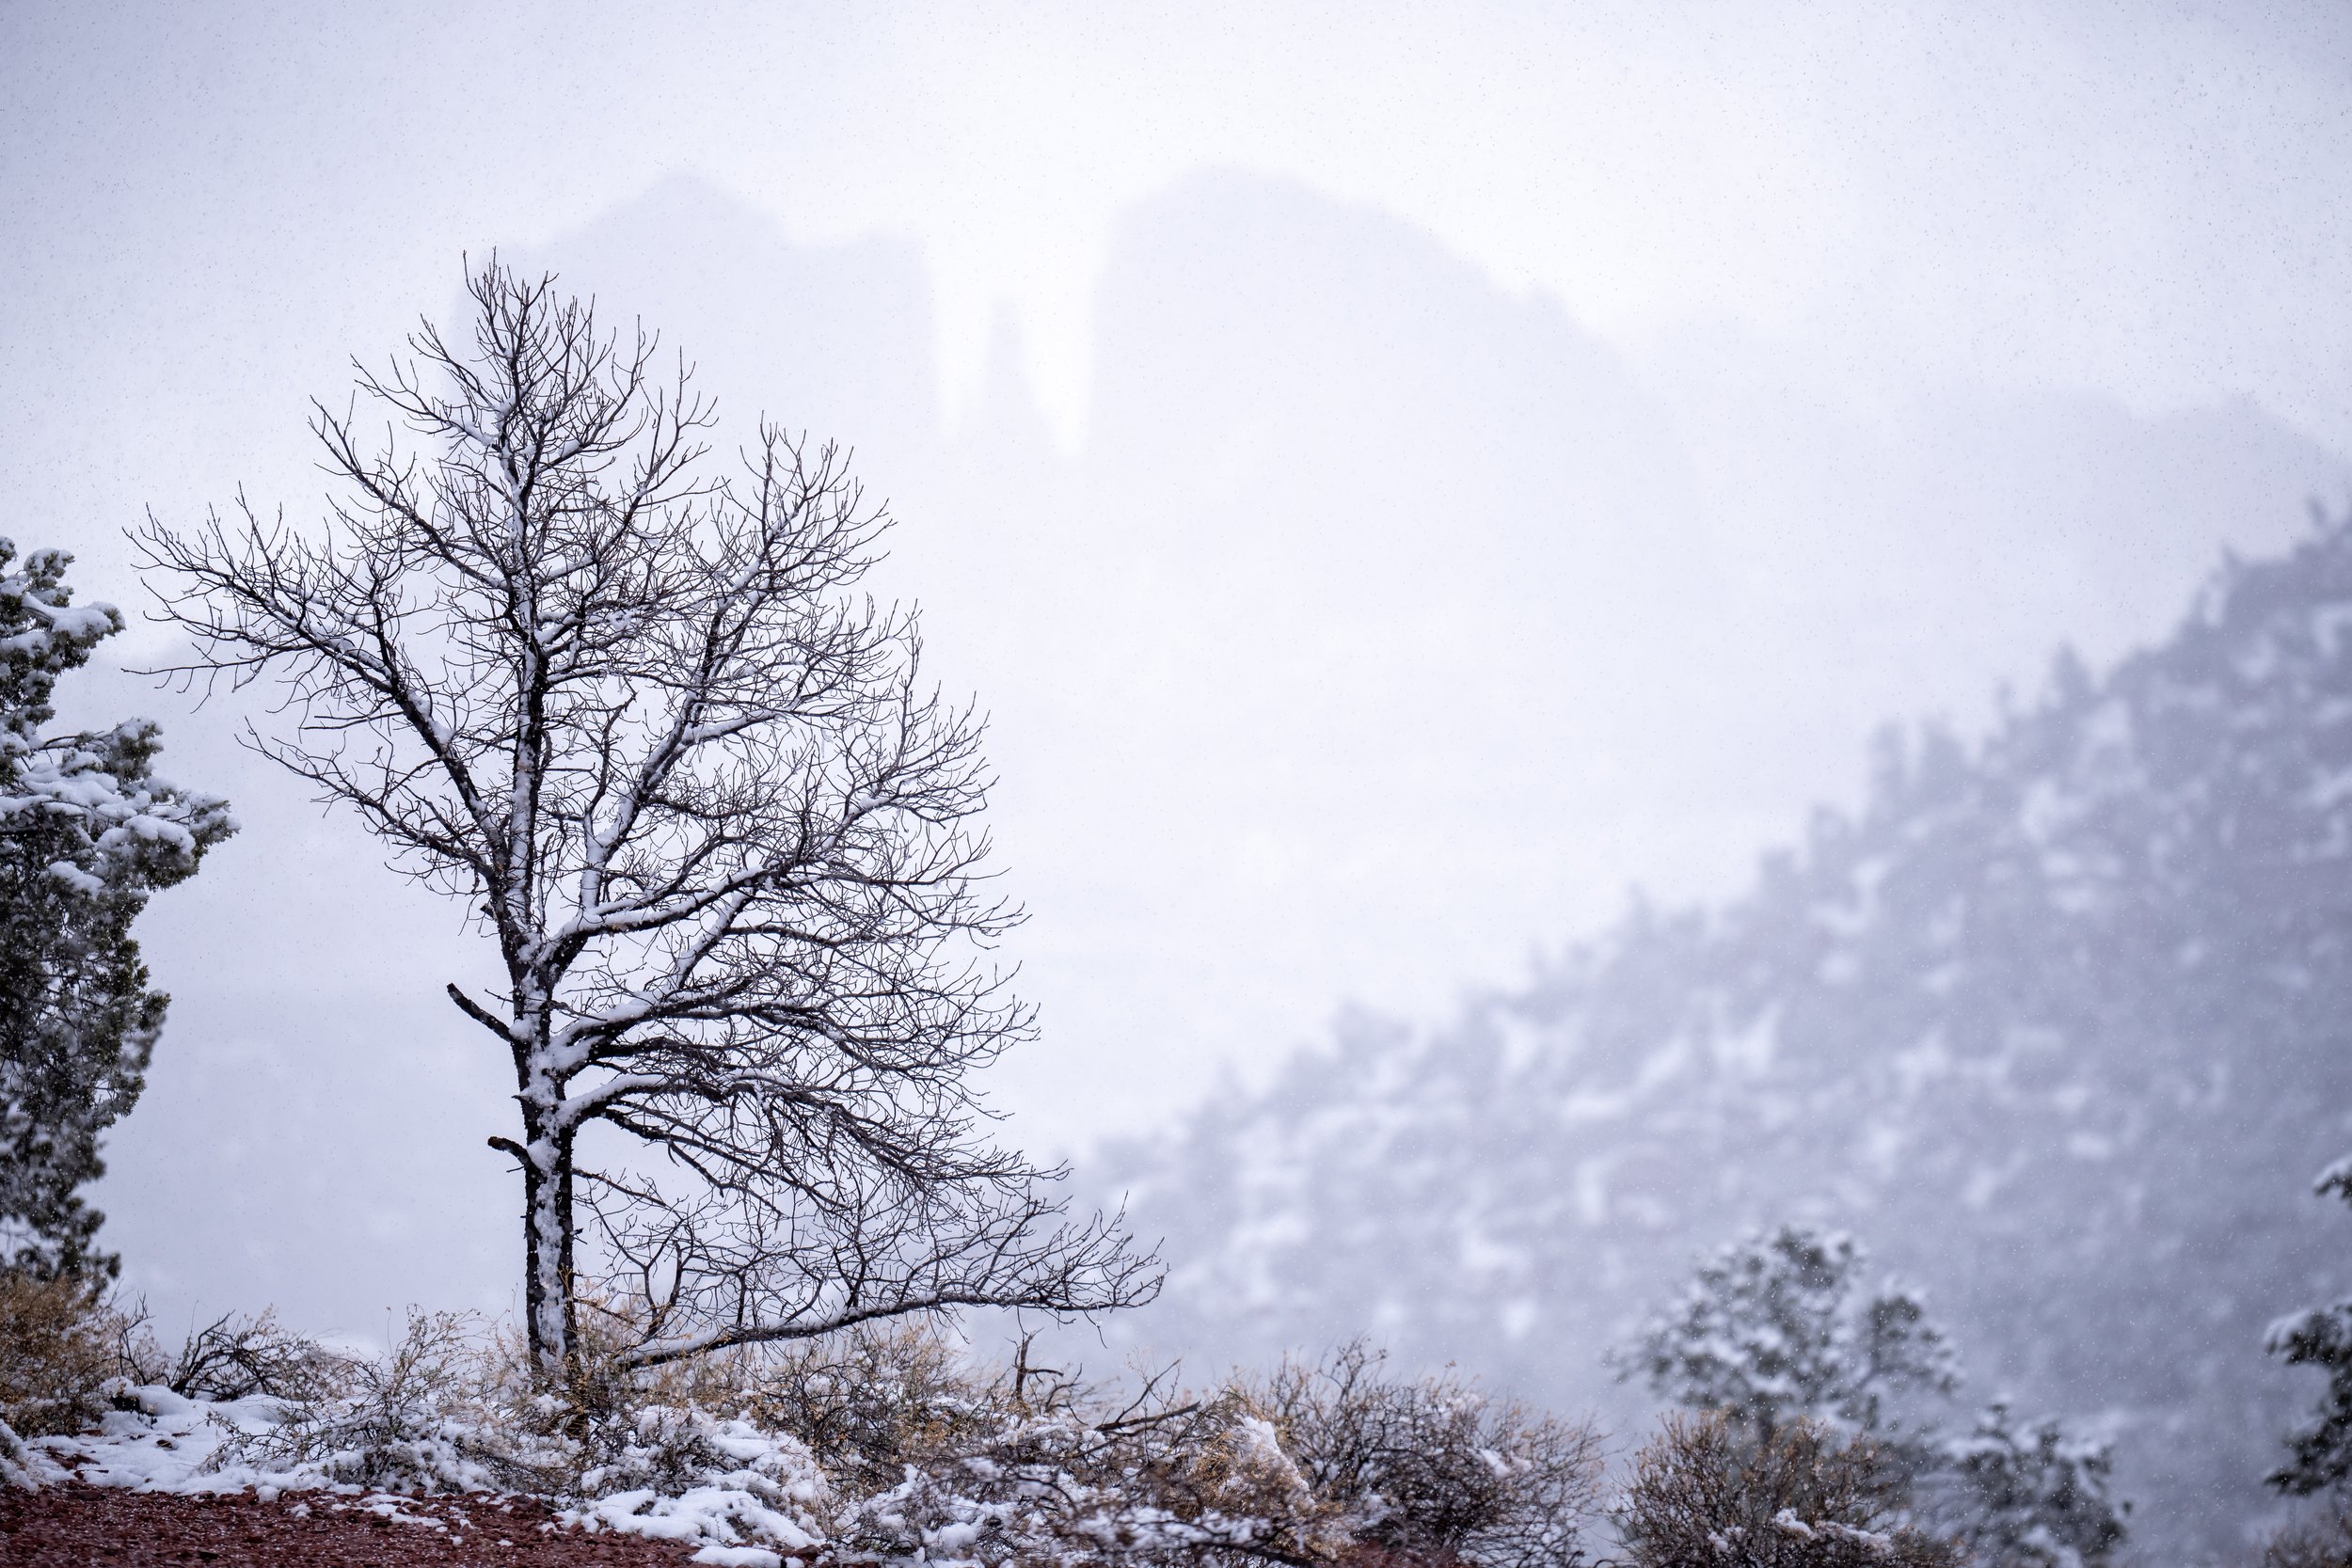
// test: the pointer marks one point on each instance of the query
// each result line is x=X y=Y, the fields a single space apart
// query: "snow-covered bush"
x=67 y=1353
x=2030 y=1498
x=887 y=1445
x=413 y=1421
x=1707 y=1492
x=932 y=1457
x=1433 y=1468
x=61 y=1346
x=870 y=1401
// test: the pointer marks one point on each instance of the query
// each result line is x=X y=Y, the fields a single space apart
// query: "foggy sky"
x=1398 y=478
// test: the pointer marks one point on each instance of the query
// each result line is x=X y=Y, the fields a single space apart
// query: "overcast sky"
x=1399 y=476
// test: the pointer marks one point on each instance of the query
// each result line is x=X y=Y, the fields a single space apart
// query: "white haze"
x=1399 y=478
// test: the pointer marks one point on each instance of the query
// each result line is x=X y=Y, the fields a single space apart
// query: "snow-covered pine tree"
x=86 y=832
x=2031 y=1498
x=1775 y=1329
x=1775 y=1334
x=631 y=712
x=2319 y=1453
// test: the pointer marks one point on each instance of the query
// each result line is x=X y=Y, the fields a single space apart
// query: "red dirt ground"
x=85 y=1526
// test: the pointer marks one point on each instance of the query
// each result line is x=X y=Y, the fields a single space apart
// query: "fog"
x=1405 y=482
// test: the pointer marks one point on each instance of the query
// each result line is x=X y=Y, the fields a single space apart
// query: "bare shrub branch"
x=1433 y=1468
x=234 y=1357
x=1705 y=1492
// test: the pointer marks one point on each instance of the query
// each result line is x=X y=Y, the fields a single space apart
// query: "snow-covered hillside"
x=2057 y=1023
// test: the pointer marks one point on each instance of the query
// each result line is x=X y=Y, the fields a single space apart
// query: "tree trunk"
x=548 y=1310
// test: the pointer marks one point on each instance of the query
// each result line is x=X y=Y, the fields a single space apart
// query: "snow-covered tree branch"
x=1777 y=1343
x=2320 y=1449
x=632 y=712
x=88 y=832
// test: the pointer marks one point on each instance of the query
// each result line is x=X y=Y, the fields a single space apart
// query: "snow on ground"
x=754 y=1516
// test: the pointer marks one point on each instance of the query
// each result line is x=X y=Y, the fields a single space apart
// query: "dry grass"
x=60 y=1342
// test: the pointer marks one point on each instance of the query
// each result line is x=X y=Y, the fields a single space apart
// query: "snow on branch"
x=633 y=711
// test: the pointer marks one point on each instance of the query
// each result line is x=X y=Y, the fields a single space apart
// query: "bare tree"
x=632 y=713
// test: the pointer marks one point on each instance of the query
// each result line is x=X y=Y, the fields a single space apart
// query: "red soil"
x=85 y=1526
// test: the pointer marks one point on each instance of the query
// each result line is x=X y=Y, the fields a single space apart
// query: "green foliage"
x=86 y=832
